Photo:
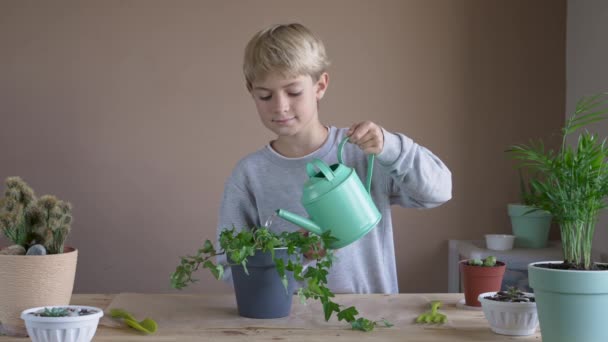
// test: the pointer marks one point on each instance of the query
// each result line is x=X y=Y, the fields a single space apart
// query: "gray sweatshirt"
x=405 y=173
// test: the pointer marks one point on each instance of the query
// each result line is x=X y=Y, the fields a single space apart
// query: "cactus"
x=27 y=220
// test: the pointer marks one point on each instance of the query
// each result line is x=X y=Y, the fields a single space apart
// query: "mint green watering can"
x=336 y=201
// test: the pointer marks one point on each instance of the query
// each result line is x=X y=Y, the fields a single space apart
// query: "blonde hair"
x=291 y=50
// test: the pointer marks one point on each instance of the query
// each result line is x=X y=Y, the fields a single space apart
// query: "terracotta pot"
x=479 y=279
x=33 y=280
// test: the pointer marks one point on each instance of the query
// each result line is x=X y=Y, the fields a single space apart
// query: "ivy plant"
x=239 y=245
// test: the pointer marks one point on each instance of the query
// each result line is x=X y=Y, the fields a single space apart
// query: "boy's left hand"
x=368 y=136
x=312 y=254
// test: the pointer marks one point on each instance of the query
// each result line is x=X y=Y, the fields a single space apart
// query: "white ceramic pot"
x=499 y=242
x=61 y=329
x=506 y=318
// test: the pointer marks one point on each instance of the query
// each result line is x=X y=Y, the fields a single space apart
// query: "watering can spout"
x=300 y=221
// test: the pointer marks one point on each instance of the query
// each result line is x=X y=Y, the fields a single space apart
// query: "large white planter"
x=61 y=329
x=506 y=318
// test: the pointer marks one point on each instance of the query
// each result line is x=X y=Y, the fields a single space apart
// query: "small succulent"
x=513 y=295
x=54 y=312
x=487 y=262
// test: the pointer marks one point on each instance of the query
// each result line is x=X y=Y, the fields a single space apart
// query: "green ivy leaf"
x=279 y=265
x=216 y=270
x=328 y=308
x=363 y=324
x=348 y=314
x=302 y=295
x=387 y=323
x=244 y=264
x=208 y=248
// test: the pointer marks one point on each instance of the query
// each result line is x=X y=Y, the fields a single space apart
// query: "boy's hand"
x=368 y=136
x=311 y=254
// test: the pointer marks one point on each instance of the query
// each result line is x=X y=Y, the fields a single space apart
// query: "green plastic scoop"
x=432 y=316
x=147 y=326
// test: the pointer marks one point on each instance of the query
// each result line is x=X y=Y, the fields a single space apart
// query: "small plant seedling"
x=54 y=312
x=147 y=326
x=432 y=316
x=489 y=261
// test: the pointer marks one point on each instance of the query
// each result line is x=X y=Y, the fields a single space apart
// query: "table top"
x=213 y=317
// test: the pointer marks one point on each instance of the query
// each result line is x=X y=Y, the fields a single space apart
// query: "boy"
x=285 y=69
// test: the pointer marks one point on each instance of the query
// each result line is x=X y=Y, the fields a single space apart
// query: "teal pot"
x=571 y=304
x=261 y=294
x=531 y=230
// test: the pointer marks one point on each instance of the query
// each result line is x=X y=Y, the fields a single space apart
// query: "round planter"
x=506 y=318
x=62 y=329
x=531 y=230
x=479 y=279
x=33 y=281
x=571 y=304
x=499 y=242
x=261 y=294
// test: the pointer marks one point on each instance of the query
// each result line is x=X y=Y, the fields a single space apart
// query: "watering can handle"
x=370 y=164
x=325 y=170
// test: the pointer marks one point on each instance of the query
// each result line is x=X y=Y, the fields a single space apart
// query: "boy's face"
x=288 y=106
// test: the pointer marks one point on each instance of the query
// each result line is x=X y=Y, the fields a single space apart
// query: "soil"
x=71 y=312
x=571 y=266
x=503 y=296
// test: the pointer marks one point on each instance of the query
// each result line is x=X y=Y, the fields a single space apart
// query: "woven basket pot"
x=31 y=281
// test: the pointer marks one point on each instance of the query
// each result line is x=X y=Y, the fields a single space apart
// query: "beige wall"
x=136 y=111
x=587 y=53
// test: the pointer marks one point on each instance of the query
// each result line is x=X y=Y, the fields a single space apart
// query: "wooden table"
x=219 y=321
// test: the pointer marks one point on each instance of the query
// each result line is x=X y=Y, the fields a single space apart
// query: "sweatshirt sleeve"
x=418 y=178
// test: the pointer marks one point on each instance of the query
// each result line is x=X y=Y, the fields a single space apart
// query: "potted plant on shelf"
x=510 y=312
x=275 y=259
x=571 y=295
x=529 y=224
x=37 y=269
x=479 y=276
x=70 y=323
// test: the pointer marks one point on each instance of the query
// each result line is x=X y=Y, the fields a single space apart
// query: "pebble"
x=13 y=250
x=36 y=250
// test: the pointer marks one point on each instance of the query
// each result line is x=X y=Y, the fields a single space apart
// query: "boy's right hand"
x=311 y=254
x=368 y=136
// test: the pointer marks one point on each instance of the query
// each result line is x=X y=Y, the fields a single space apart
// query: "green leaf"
x=208 y=247
x=363 y=324
x=216 y=270
x=285 y=283
x=244 y=264
x=328 y=308
x=279 y=265
x=387 y=323
x=302 y=295
x=348 y=314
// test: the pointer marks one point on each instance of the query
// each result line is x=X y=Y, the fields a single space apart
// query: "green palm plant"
x=572 y=182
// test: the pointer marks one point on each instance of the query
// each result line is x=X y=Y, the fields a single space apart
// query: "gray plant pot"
x=261 y=294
